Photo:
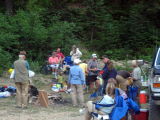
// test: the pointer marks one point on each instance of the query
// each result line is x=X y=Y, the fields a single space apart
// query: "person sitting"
x=124 y=79
x=107 y=99
x=54 y=64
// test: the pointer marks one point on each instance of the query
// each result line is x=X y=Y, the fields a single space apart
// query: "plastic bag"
x=31 y=74
x=12 y=75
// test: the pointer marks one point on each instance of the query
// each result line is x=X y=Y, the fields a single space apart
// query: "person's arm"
x=82 y=77
x=49 y=60
x=58 y=60
x=69 y=77
x=71 y=53
x=136 y=75
x=78 y=52
x=86 y=69
x=62 y=56
x=89 y=67
x=105 y=72
x=27 y=65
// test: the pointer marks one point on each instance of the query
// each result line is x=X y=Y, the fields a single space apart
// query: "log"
x=43 y=98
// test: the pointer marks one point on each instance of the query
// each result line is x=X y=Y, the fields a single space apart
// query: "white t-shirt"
x=107 y=100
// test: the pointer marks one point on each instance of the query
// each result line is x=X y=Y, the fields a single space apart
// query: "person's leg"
x=104 y=87
x=87 y=115
x=91 y=84
x=25 y=87
x=18 y=94
x=80 y=94
x=74 y=94
x=97 y=84
x=53 y=70
x=56 y=70
x=90 y=107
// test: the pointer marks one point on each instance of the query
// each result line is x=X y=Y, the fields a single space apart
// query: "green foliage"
x=4 y=61
x=35 y=66
x=118 y=54
x=119 y=29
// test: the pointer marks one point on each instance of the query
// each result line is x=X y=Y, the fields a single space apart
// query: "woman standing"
x=77 y=81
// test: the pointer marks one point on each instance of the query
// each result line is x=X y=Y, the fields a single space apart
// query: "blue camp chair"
x=68 y=61
x=132 y=92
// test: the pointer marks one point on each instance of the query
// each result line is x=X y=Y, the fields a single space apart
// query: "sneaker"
x=68 y=91
x=82 y=111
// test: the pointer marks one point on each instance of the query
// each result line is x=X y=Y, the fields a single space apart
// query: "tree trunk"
x=9 y=6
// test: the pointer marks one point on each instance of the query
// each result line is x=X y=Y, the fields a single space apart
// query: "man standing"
x=21 y=79
x=136 y=74
x=93 y=72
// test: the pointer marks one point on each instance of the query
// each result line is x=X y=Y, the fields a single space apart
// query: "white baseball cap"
x=77 y=61
x=94 y=56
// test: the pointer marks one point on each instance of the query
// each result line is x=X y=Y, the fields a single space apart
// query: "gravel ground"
x=154 y=112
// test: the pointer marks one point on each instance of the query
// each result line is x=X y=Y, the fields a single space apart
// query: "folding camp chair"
x=119 y=111
x=99 y=116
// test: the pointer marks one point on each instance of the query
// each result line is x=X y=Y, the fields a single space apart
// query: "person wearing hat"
x=75 y=53
x=77 y=80
x=21 y=79
x=93 y=72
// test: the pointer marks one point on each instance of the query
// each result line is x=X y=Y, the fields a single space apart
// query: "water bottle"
x=142 y=80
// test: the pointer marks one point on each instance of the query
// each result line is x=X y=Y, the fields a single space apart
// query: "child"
x=107 y=99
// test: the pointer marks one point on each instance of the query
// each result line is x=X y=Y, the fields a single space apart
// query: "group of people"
x=112 y=79
x=81 y=74
x=21 y=72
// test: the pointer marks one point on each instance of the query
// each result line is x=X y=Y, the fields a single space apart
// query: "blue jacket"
x=108 y=73
x=76 y=75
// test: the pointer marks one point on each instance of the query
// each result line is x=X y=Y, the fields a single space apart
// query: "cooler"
x=144 y=114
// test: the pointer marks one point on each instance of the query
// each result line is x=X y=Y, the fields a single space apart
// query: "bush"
x=5 y=60
x=35 y=66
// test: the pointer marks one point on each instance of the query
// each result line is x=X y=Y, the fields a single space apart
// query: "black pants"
x=104 y=86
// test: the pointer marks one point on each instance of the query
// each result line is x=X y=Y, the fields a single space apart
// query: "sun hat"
x=77 y=61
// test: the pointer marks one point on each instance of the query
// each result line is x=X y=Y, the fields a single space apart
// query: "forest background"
x=121 y=29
